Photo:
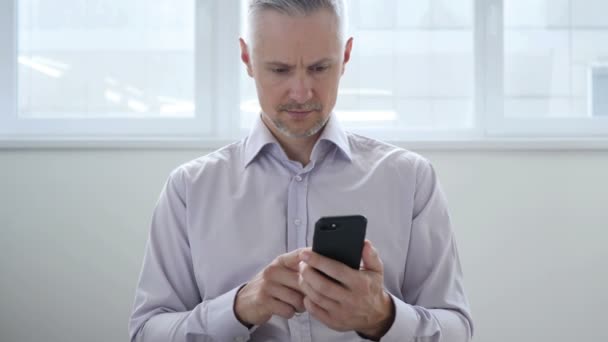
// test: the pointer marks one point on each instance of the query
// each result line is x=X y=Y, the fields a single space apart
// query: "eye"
x=319 y=68
x=279 y=70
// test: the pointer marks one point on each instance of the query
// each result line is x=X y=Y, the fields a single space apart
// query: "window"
x=100 y=59
x=554 y=52
x=421 y=70
x=105 y=68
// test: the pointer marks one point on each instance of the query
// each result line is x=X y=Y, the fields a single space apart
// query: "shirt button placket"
x=297 y=220
x=301 y=220
x=301 y=224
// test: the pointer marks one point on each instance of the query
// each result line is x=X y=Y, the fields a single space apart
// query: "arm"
x=167 y=303
x=435 y=307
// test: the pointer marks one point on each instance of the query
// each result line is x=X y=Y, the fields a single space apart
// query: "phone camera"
x=329 y=227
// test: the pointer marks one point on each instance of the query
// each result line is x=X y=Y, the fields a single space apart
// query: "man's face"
x=296 y=63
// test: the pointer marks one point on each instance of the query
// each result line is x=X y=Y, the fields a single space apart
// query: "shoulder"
x=376 y=151
x=217 y=162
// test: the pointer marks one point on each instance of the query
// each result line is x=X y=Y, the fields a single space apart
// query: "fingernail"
x=305 y=255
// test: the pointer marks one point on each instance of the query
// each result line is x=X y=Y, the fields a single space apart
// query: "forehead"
x=283 y=37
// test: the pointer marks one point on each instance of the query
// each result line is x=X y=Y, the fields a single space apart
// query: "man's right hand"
x=273 y=291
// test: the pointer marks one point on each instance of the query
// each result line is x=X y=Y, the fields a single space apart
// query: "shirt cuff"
x=221 y=319
x=404 y=325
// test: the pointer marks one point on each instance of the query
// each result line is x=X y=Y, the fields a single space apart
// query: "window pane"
x=555 y=51
x=106 y=58
x=411 y=68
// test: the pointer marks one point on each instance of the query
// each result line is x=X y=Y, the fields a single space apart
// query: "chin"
x=309 y=131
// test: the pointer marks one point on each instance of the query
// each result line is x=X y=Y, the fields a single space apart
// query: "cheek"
x=327 y=91
x=330 y=82
x=269 y=97
x=268 y=80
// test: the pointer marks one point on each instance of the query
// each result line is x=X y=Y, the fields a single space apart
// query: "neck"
x=296 y=148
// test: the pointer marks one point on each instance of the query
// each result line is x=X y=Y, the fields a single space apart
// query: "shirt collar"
x=260 y=137
x=335 y=134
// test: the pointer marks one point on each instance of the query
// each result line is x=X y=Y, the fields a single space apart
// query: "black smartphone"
x=340 y=238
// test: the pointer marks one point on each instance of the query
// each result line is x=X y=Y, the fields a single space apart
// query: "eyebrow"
x=285 y=65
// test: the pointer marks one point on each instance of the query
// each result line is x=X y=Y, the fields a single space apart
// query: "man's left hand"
x=358 y=302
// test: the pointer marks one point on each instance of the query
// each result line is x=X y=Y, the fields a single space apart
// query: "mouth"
x=299 y=114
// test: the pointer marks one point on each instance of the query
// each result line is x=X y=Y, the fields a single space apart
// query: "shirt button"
x=298 y=178
x=297 y=222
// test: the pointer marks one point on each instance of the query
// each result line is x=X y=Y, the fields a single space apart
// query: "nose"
x=300 y=88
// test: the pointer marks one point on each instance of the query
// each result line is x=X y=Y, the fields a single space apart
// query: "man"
x=228 y=257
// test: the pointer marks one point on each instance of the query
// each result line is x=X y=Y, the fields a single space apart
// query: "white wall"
x=532 y=229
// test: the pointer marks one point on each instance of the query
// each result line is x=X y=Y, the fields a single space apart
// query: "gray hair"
x=301 y=8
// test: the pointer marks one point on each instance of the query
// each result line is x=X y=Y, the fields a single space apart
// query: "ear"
x=347 y=50
x=245 y=56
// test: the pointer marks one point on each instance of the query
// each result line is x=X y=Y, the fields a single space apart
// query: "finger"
x=371 y=258
x=287 y=295
x=317 y=312
x=282 y=276
x=319 y=299
x=332 y=268
x=290 y=260
x=321 y=283
x=282 y=309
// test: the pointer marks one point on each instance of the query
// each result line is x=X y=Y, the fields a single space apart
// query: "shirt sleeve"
x=168 y=304
x=435 y=307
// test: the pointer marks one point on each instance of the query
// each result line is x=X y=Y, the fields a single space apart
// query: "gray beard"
x=318 y=126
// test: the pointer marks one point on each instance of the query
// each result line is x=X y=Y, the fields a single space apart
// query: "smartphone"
x=340 y=238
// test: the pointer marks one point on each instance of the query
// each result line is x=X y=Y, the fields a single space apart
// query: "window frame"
x=8 y=94
x=217 y=114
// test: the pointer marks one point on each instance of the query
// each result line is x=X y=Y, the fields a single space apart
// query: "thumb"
x=291 y=260
x=371 y=258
